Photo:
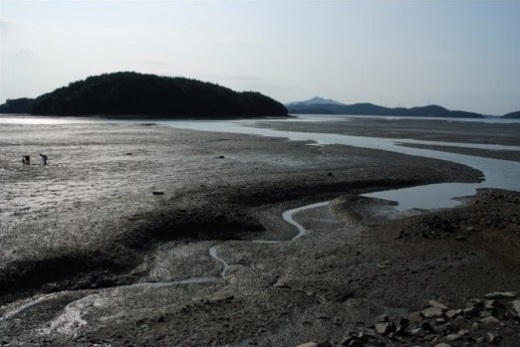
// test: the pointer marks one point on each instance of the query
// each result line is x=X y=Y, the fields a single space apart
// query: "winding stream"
x=22 y=305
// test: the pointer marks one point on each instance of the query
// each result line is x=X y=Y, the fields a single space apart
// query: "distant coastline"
x=317 y=105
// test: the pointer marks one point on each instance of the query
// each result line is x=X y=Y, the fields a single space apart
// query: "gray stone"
x=440 y=321
x=383 y=328
x=442 y=345
x=437 y=304
x=516 y=306
x=463 y=332
x=490 y=320
x=308 y=344
x=453 y=313
x=432 y=312
x=419 y=332
x=470 y=312
x=501 y=295
x=492 y=338
x=415 y=317
x=452 y=337
x=356 y=343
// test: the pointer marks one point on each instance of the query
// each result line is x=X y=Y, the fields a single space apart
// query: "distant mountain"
x=316 y=101
x=125 y=94
x=513 y=115
x=323 y=106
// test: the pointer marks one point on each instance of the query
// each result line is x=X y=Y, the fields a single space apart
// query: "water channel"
x=497 y=173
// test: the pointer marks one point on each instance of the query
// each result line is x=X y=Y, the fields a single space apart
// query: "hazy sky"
x=459 y=54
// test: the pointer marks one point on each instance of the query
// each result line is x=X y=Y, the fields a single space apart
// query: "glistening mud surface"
x=88 y=222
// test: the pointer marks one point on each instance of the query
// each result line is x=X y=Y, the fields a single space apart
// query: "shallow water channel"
x=500 y=174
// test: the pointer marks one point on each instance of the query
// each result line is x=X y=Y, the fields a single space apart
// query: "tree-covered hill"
x=512 y=115
x=21 y=105
x=129 y=94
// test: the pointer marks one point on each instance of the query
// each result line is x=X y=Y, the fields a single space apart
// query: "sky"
x=463 y=55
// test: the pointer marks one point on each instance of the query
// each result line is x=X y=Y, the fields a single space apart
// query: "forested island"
x=124 y=94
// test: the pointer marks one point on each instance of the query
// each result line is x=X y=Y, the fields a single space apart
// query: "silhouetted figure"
x=26 y=159
x=44 y=158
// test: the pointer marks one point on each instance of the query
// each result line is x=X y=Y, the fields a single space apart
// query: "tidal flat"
x=122 y=239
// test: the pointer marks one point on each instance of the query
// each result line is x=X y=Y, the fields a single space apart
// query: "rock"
x=308 y=344
x=440 y=321
x=490 y=320
x=501 y=295
x=432 y=312
x=437 y=304
x=383 y=328
x=451 y=314
x=448 y=328
x=492 y=338
x=470 y=312
x=516 y=306
x=427 y=327
x=402 y=326
x=416 y=317
x=452 y=337
x=442 y=345
x=418 y=332
x=325 y=344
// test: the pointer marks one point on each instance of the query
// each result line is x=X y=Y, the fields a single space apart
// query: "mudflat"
x=142 y=235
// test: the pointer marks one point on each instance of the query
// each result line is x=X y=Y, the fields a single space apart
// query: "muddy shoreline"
x=88 y=222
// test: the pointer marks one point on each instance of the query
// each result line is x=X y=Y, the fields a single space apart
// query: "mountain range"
x=318 y=105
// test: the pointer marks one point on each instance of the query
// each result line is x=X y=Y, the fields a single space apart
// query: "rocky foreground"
x=479 y=323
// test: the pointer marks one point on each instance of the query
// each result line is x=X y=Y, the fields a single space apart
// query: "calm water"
x=500 y=174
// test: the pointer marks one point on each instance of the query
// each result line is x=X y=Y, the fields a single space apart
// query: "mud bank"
x=74 y=233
